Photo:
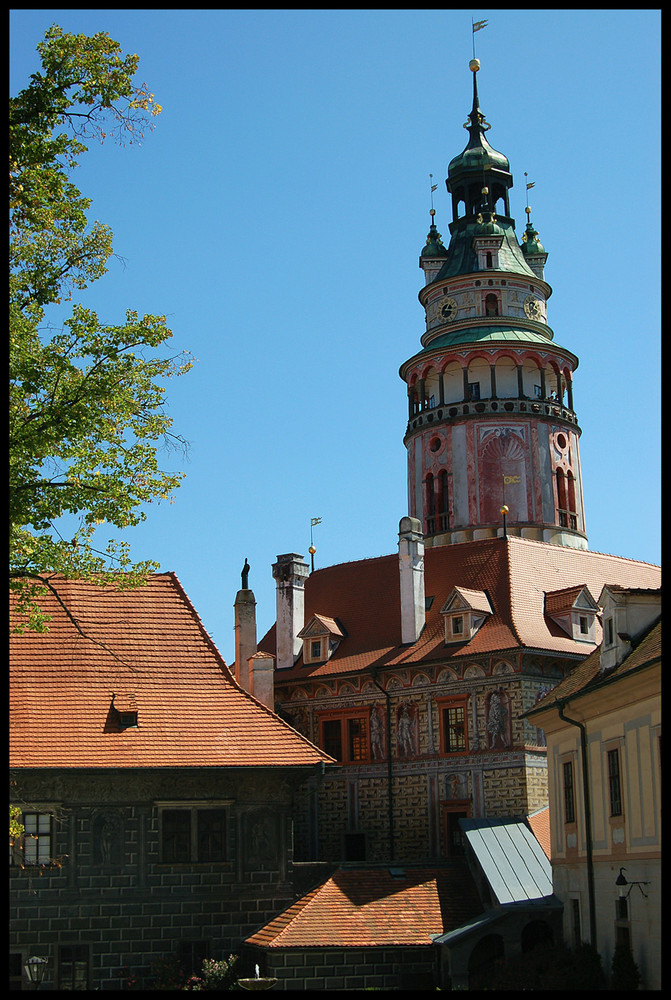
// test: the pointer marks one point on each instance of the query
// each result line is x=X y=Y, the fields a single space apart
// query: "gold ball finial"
x=312 y=550
x=474 y=65
x=432 y=212
x=504 y=509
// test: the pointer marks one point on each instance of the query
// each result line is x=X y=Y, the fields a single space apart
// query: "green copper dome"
x=488 y=226
x=434 y=244
x=477 y=157
x=530 y=242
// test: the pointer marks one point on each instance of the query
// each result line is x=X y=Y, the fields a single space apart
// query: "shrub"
x=624 y=971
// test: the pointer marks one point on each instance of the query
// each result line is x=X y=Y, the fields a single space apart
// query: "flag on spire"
x=477 y=25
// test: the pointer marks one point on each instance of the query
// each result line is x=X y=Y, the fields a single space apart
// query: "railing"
x=475 y=407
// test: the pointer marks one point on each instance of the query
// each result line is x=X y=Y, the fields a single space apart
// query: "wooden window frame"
x=458 y=703
x=345 y=717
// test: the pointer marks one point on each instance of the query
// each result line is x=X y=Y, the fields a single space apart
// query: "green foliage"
x=624 y=970
x=86 y=398
x=16 y=827
x=215 y=975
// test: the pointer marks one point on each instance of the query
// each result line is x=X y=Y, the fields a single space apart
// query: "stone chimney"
x=411 y=570
x=290 y=571
x=261 y=670
x=245 y=636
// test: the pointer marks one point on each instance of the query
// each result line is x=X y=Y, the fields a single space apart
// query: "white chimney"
x=245 y=636
x=290 y=571
x=411 y=570
x=261 y=670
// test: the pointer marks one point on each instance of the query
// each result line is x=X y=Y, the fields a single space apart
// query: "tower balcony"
x=431 y=413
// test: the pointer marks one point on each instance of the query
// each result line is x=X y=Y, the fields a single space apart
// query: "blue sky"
x=276 y=215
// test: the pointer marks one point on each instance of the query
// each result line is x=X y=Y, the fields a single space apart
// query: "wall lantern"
x=35 y=968
x=622 y=883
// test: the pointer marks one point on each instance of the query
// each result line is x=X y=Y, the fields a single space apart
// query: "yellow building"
x=603 y=730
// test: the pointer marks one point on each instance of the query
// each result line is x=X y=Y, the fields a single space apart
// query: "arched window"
x=488 y=259
x=429 y=505
x=570 y=501
x=491 y=305
x=443 y=502
x=561 y=498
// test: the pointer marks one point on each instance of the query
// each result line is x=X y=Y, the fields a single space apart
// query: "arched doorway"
x=484 y=961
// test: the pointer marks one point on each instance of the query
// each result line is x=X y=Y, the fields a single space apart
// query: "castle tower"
x=491 y=422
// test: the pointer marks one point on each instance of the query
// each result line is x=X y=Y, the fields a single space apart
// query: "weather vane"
x=477 y=26
x=312 y=549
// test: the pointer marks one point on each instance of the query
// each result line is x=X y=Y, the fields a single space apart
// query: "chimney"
x=411 y=570
x=290 y=572
x=261 y=670
x=245 y=636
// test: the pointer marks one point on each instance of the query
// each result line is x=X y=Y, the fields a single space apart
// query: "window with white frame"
x=36 y=847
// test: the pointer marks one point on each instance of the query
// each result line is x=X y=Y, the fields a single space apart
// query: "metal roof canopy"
x=511 y=859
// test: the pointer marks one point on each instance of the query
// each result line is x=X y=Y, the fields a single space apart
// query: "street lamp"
x=35 y=968
x=621 y=882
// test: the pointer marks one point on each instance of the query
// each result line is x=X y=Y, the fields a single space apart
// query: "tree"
x=86 y=398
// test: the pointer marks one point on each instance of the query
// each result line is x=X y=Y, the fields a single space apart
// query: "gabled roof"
x=147 y=649
x=361 y=908
x=559 y=602
x=515 y=572
x=510 y=857
x=320 y=625
x=588 y=675
x=468 y=600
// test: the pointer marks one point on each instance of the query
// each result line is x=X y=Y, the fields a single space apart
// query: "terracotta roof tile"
x=540 y=827
x=514 y=573
x=148 y=649
x=372 y=907
x=588 y=673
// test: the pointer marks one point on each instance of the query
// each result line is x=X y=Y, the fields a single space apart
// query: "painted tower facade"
x=491 y=422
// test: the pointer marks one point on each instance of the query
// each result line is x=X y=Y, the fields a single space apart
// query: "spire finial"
x=529 y=185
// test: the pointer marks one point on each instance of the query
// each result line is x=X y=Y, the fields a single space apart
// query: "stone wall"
x=392 y=968
x=110 y=895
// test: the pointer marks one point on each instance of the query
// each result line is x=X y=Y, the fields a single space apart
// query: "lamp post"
x=621 y=882
x=504 y=511
x=35 y=968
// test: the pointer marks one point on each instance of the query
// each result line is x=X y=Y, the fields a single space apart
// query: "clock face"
x=447 y=309
x=532 y=307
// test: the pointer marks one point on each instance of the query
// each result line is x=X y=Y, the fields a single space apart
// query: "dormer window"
x=574 y=610
x=124 y=711
x=321 y=636
x=465 y=612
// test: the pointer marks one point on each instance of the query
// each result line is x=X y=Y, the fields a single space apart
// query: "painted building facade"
x=415 y=670
x=491 y=417
x=603 y=727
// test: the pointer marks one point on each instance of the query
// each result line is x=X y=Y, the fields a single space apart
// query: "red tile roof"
x=372 y=907
x=148 y=649
x=515 y=573
x=588 y=673
x=540 y=827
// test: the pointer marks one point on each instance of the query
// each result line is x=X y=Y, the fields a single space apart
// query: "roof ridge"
x=518 y=540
